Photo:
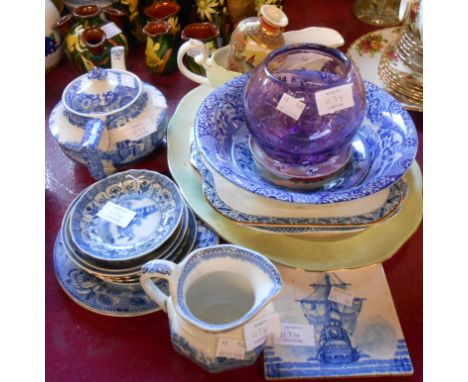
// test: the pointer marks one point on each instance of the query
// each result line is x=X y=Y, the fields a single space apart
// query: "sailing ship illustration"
x=333 y=323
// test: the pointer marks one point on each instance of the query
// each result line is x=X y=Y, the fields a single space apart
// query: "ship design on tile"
x=334 y=323
x=350 y=339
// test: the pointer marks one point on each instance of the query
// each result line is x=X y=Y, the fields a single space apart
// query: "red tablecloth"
x=84 y=346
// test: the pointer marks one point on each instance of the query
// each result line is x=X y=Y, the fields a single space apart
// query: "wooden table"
x=84 y=346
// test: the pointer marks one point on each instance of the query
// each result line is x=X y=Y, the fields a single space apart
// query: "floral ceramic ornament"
x=89 y=36
x=53 y=40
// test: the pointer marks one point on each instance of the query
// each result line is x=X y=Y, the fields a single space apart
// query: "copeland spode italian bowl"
x=396 y=196
x=387 y=138
x=109 y=118
x=153 y=200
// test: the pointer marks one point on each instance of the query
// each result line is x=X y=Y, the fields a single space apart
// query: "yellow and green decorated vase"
x=89 y=38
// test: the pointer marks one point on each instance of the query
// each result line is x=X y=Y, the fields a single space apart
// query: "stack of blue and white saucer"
x=115 y=226
x=369 y=191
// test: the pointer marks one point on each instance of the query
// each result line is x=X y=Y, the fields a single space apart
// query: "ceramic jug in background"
x=165 y=11
x=160 y=52
x=135 y=18
x=109 y=118
x=53 y=40
x=216 y=12
x=215 y=64
x=208 y=34
x=89 y=36
x=214 y=293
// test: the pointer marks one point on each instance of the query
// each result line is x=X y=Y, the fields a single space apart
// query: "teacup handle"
x=160 y=269
x=196 y=49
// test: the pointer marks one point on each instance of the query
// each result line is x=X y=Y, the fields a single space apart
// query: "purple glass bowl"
x=326 y=84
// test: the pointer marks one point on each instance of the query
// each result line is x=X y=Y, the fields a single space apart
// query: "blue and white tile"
x=360 y=338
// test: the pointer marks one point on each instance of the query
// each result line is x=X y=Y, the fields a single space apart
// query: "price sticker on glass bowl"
x=341 y=296
x=290 y=106
x=140 y=129
x=256 y=332
x=334 y=99
x=111 y=30
x=296 y=335
x=116 y=214
x=230 y=348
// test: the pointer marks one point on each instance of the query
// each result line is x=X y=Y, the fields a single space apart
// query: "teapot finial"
x=97 y=73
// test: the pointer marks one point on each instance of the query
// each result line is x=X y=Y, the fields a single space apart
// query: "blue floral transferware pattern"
x=156 y=201
x=109 y=298
x=387 y=133
x=108 y=119
x=214 y=364
x=102 y=91
x=206 y=237
x=359 y=337
x=397 y=194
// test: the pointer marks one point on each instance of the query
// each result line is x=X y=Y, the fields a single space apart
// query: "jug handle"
x=89 y=145
x=117 y=54
x=197 y=50
x=161 y=269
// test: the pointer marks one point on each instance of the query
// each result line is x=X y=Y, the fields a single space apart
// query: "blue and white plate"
x=387 y=136
x=109 y=298
x=392 y=204
x=155 y=199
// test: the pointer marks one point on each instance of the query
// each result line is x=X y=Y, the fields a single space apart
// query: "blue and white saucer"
x=387 y=136
x=109 y=298
x=397 y=194
x=155 y=199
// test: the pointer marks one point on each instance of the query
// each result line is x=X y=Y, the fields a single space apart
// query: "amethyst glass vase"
x=303 y=106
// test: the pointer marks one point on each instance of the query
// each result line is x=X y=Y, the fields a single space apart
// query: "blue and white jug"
x=214 y=293
x=109 y=118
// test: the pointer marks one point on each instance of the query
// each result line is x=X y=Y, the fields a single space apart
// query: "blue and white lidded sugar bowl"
x=109 y=118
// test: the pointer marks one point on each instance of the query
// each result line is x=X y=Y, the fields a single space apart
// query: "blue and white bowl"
x=296 y=225
x=387 y=137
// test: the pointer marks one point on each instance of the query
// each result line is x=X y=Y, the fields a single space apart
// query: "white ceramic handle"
x=317 y=35
x=156 y=269
x=118 y=58
x=197 y=50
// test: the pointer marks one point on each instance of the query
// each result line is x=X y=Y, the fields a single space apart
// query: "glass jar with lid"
x=255 y=37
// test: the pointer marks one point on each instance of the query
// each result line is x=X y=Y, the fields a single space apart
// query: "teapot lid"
x=101 y=92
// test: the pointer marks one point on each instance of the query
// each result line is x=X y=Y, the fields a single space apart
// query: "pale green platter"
x=374 y=245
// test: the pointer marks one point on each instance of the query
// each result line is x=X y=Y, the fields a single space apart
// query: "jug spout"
x=216 y=288
x=118 y=58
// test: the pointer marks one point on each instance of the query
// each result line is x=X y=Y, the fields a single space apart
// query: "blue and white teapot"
x=109 y=118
